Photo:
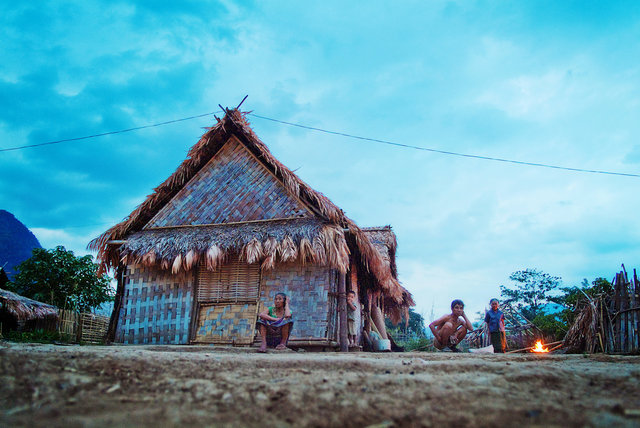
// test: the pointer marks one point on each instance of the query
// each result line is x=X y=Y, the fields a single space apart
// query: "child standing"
x=351 y=317
x=495 y=323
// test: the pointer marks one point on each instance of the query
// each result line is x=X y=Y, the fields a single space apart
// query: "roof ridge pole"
x=245 y=97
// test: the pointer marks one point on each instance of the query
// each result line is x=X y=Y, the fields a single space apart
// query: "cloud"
x=555 y=84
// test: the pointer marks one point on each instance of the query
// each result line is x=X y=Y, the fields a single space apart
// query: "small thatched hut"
x=232 y=226
x=19 y=313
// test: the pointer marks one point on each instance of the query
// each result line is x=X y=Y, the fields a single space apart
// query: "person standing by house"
x=275 y=324
x=351 y=317
x=450 y=329
x=495 y=324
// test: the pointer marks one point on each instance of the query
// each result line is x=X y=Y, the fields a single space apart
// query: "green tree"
x=574 y=298
x=415 y=325
x=531 y=290
x=552 y=326
x=61 y=279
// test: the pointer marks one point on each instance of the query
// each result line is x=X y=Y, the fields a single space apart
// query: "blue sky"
x=546 y=82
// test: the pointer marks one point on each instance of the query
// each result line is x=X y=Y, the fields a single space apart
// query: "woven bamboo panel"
x=232 y=187
x=156 y=307
x=68 y=323
x=226 y=323
x=93 y=327
x=235 y=280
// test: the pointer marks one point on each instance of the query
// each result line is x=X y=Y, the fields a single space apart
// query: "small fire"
x=539 y=348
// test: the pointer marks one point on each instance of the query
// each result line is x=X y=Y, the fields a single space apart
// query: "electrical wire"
x=342 y=134
x=445 y=152
x=106 y=133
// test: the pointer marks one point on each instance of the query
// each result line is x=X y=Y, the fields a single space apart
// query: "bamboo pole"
x=600 y=340
x=560 y=345
x=531 y=347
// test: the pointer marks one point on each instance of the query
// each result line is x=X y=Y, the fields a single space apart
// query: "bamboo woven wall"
x=310 y=289
x=156 y=307
x=232 y=187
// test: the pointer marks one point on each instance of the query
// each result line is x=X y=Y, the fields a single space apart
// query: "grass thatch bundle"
x=582 y=335
x=183 y=247
x=384 y=240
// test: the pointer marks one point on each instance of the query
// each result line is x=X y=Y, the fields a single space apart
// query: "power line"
x=106 y=133
x=444 y=152
x=357 y=137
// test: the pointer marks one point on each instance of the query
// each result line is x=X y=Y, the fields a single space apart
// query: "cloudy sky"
x=545 y=82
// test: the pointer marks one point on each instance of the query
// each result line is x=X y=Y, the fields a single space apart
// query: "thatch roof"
x=322 y=241
x=385 y=242
x=181 y=247
x=25 y=309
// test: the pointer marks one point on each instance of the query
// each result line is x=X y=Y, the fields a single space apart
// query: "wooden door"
x=227 y=303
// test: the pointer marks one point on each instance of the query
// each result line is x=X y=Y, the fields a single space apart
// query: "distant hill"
x=16 y=242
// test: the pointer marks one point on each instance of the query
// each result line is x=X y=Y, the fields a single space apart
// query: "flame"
x=539 y=348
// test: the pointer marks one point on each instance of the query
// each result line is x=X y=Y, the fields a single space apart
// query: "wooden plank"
x=342 y=308
x=624 y=321
x=616 y=308
x=634 y=321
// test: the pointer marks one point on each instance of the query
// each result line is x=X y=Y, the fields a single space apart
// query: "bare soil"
x=153 y=386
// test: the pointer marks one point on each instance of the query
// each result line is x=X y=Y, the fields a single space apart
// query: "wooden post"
x=617 y=302
x=636 y=320
x=117 y=304
x=191 y=335
x=342 y=311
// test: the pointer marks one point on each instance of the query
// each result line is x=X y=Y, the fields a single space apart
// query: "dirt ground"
x=153 y=386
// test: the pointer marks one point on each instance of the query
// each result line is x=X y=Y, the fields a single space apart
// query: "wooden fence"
x=83 y=327
x=622 y=332
x=609 y=323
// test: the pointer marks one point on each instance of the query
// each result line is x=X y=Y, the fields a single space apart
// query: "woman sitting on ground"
x=275 y=324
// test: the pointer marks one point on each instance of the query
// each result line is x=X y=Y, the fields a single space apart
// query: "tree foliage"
x=61 y=279
x=574 y=298
x=414 y=327
x=531 y=290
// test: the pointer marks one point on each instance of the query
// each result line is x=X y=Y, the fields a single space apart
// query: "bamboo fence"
x=609 y=323
x=83 y=327
x=622 y=331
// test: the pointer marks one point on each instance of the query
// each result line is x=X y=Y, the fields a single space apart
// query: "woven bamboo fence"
x=83 y=327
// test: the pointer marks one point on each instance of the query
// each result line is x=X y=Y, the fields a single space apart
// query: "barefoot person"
x=351 y=317
x=275 y=323
x=450 y=329
x=495 y=324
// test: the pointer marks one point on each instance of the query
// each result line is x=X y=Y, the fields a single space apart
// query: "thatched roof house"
x=226 y=231
x=23 y=314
